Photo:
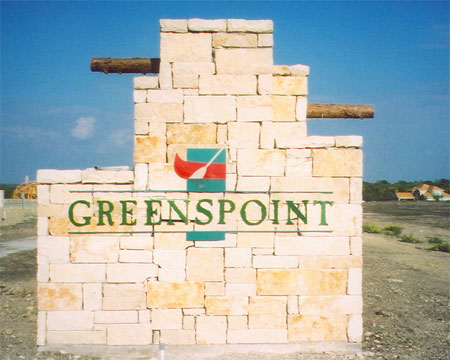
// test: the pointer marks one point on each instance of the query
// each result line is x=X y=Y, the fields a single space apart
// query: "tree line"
x=9 y=189
x=382 y=190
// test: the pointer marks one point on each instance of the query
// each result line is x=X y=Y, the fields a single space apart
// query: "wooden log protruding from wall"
x=125 y=65
x=339 y=111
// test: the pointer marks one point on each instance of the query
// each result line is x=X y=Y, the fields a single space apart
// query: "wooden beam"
x=125 y=65
x=336 y=111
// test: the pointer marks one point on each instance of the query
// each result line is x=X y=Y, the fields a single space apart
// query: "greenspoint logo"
x=205 y=172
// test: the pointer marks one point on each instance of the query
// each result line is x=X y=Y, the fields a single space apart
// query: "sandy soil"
x=405 y=290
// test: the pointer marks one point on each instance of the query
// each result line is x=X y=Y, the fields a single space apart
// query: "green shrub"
x=435 y=240
x=444 y=247
x=393 y=230
x=410 y=239
x=372 y=229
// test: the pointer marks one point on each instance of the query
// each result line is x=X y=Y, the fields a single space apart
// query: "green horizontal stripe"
x=185 y=191
x=178 y=232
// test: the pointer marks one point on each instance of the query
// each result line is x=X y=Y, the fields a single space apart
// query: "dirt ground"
x=406 y=289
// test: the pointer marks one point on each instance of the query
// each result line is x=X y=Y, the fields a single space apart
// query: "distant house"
x=420 y=189
x=404 y=196
x=430 y=193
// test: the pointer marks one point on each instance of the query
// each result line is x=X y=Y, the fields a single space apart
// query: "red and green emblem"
x=204 y=169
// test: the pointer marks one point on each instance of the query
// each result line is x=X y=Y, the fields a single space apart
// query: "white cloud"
x=84 y=128
x=121 y=137
x=28 y=132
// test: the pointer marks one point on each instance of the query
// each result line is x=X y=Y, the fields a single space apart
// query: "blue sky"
x=56 y=114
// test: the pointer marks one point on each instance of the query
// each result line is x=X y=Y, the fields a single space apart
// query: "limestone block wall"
x=115 y=265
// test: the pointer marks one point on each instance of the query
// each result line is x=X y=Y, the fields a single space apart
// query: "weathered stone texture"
x=267 y=312
x=330 y=262
x=240 y=290
x=186 y=74
x=354 y=286
x=290 y=85
x=177 y=337
x=209 y=109
x=159 y=112
x=116 y=317
x=284 y=135
x=204 y=264
x=355 y=328
x=175 y=295
x=123 y=297
x=238 y=257
x=167 y=319
x=301 y=108
x=304 y=245
x=238 y=40
x=337 y=162
x=186 y=47
x=77 y=273
x=349 y=141
x=240 y=275
x=53 y=249
x=253 y=183
x=257 y=336
x=356 y=245
x=265 y=40
x=256 y=26
x=129 y=334
x=81 y=337
x=211 y=330
x=243 y=135
x=284 y=108
x=92 y=296
x=203 y=25
x=136 y=243
x=301 y=282
x=70 y=320
x=173 y=25
x=275 y=262
x=135 y=256
x=227 y=84
x=226 y=305
x=265 y=84
x=244 y=61
x=254 y=108
x=317 y=328
x=50 y=176
x=139 y=96
x=329 y=305
x=261 y=162
x=165 y=96
x=236 y=322
x=128 y=273
x=150 y=149
x=162 y=176
x=214 y=288
x=59 y=296
x=145 y=82
x=165 y=75
x=94 y=249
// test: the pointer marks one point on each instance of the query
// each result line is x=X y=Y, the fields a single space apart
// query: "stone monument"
x=234 y=227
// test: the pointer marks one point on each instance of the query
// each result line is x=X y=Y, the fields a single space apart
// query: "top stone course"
x=237 y=46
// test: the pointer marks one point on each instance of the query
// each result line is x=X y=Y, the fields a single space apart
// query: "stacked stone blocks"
x=217 y=88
